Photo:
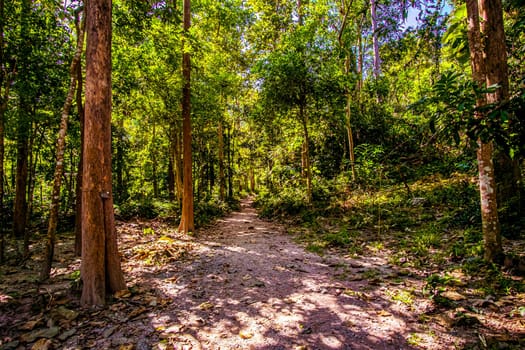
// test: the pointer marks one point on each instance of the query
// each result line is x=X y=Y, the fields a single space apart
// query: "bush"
x=146 y=209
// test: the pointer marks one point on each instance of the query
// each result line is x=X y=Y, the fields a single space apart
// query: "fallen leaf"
x=39 y=333
x=384 y=313
x=42 y=344
x=206 y=306
x=65 y=313
x=121 y=294
x=452 y=295
x=245 y=334
x=126 y=347
x=67 y=334
x=137 y=312
x=30 y=325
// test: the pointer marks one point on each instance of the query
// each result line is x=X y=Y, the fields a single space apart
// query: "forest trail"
x=243 y=283
x=249 y=286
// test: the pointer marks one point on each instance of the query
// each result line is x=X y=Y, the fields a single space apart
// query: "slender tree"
x=59 y=167
x=345 y=11
x=222 y=178
x=100 y=270
x=375 y=39
x=23 y=128
x=186 y=224
x=487 y=183
x=78 y=190
x=507 y=170
x=4 y=95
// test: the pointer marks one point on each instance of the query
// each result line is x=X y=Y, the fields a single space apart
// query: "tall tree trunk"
x=179 y=165
x=487 y=183
x=78 y=191
x=375 y=40
x=4 y=96
x=304 y=120
x=252 y=179
x=222 y=179
x=100 y=270
x=345 y=10
x=176 y=151
x=171 y=172
x=507 y=170
x=154 y=162
x=349 y=134
x=360 y=55
x=20 y=208
x=24 y=126
x=59 y=167
x=120 y=188
x=187 y=224
x=229 y=156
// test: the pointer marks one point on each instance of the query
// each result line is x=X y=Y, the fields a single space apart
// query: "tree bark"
x=78 y=190
x=179 y=164
x=24 y=126
x=307 y=167
x=4 y=96
x=222 y=179
x=375 y=40
x=507 y=170
x=100 y=270
x=154 y=162
x=346 y=68
x=187 y=224
x=171 y=172
x=59 y=167
x=78 y=199
x=487 y=183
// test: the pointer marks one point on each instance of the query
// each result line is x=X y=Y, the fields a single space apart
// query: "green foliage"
x=207 y=211
x=288 y=202
x=146 y=209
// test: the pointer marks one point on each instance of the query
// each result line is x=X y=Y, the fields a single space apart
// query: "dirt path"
x=242 y=283
x=250 y=287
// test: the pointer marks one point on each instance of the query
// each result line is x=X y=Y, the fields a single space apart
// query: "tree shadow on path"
x=250 y=286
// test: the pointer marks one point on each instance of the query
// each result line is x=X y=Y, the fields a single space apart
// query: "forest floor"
x=244 y=283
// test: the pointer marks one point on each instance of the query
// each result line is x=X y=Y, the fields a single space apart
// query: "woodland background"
x=342 y=116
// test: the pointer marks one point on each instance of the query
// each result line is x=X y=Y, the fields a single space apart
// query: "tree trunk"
x=229 y=156
x=179 y=165
x=308 y=170
x=375 y=40
x=171 y=172
x=222 y=179
x=345 y=9
x=100 y=270
x=120 y=189
x=154 y=162
x=360 y=55
x=507 y=170
x=350 y=136
x=78 y=199
x=4 y=95
x=20 y=209
x=78 y=190
x=59 y=167
x=23 y=128
x=487 y=184
x=187 y=224
x=252 y=180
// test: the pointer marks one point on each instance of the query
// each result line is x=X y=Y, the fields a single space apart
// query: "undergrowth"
x=205 y=210
x=431 y=222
